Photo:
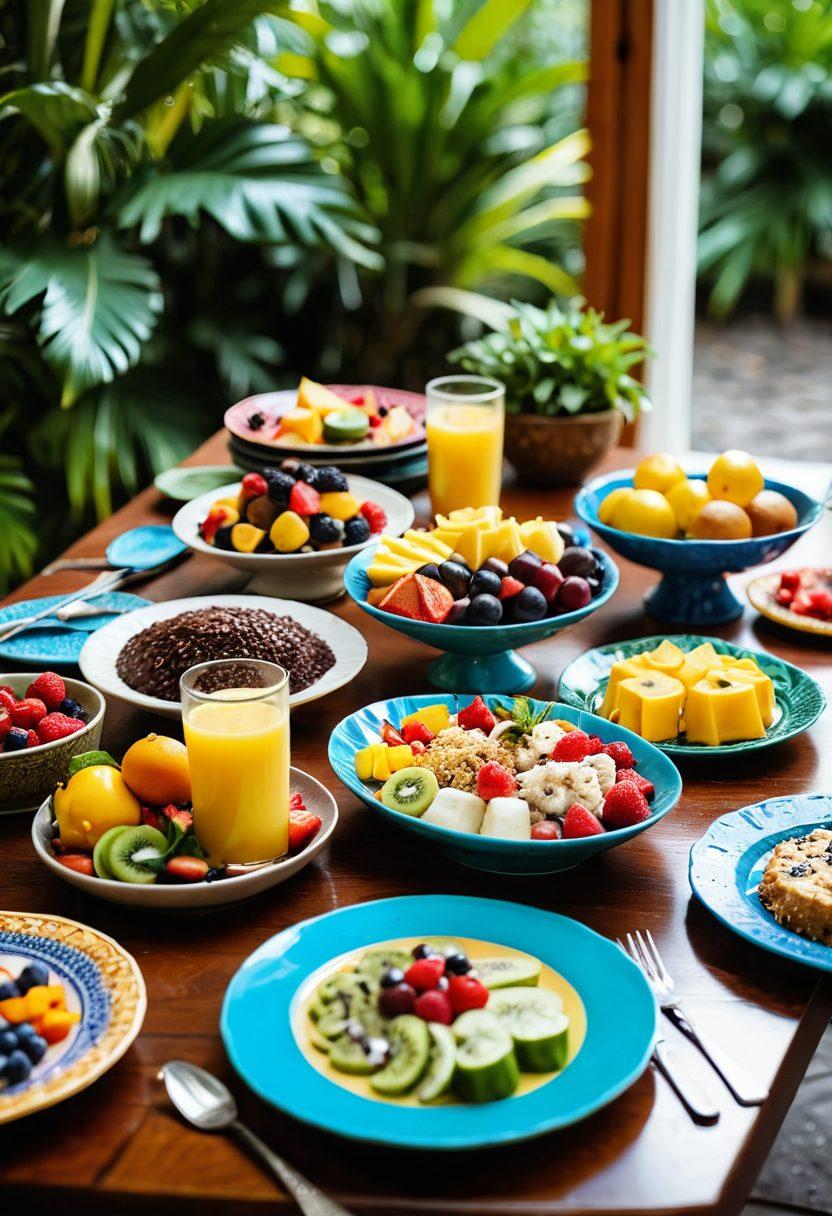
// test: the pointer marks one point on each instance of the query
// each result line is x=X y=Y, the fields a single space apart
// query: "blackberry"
x=330 y=480
x=256 y=420
x=222 y=539
x=324 y=530
x=280 y=487
x=356 y=531
x=306 y=472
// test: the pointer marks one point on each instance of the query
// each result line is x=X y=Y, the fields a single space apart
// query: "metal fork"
x=745 y=1088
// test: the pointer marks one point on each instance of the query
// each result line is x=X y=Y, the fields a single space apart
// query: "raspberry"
x=509 y=588
x=425 y=973
x=821 y=603
x=374 y=515
x=624 y=805
x=641 y=783
x=467 y=992
x=303 y=500
x=16 y=740
x=7 y=699
x=434 y=1007
x=495 y=781
x=416 y=732
x=49 y=688
x=578 y=822
x=253 y=485
x=790 y=580
x=57 y=726
x=476 y=716
x=574 y=746
x=5 y=722
x=28 y=712
x=621 y=754
x=32 y=739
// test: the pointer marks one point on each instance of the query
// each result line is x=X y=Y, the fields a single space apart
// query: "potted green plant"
x=568 y=386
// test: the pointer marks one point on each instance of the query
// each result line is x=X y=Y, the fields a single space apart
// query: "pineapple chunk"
x=319 y=398
x=542 y=537
x=363 y=761
x=429 y=540
x=306 y=424
x=507 y=541
x=381 y=766
x=384 y=571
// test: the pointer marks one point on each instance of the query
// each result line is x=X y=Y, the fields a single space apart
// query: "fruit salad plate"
x=78 y=1006
x=763 y=595
x=494 y=783
x=605 y=1030
x=798 y=699
x=728 y=862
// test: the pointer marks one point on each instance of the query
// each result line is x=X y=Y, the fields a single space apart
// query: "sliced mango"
x=319 y=399
x=651 y=705
x=542 y=537
x=722 y=709
x=624 y=669
x=340 y=504
x=363 y=761
x=306 y=424
x=434 y=717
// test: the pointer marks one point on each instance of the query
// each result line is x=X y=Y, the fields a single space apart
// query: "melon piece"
x=419 y=599
x=457 y=810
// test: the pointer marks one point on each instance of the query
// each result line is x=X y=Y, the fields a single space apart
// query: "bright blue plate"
x=54 y=643
x=263 y=997
x=728 y=862
x=485 y=852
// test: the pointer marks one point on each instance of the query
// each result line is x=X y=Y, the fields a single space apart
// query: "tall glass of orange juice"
x=235 y=714
x=464 y=424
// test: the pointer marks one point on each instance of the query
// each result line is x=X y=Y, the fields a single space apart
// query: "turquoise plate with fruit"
x=500 y=856
x=800 y=699
x=263 y=1001
x=477 y=658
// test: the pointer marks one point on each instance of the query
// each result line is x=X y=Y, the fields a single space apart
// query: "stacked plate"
x=250 y=424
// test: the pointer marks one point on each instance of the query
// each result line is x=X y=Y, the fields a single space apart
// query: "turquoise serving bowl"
x=477 y=658
x=264 y=997
x=693 y=590
x=486 y=852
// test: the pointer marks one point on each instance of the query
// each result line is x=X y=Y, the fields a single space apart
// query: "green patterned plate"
x=800 y=700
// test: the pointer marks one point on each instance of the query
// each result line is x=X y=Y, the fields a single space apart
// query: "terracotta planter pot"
x=559 y=451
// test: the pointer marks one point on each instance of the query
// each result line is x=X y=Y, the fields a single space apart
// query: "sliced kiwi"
x=129 y=854
x=317 y=1039
x=373 y=963
x=341 y=984
x=410 y=790
x=409 y=1040
x=354 y=1056
x=508 y=972
x=535 y=1020
x=102 y=849
x=441 y=1064
x=486 y=1066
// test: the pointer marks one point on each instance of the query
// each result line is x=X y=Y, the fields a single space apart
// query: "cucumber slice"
x=535 y=1020
x=440 y=1071
x=486 y=1066
x=507 y=972
x=409 y=1054
x=350 y=1055
x=343 y=425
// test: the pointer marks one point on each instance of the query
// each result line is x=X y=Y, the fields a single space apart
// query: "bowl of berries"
x=478 y=585
x=45 y=720
x=292 y=528
x=799 y=599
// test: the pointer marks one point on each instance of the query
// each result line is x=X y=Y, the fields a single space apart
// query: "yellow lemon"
x=720 y=520
x=94 y=800
x=647 y=513
x=609 y=504
x=686 y=497
x=658 y=472
x=735 y=477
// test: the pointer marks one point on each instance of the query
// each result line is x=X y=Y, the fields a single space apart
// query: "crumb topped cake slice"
x=797 y=885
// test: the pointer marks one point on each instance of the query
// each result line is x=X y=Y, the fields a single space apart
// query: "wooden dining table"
x=120 y=1147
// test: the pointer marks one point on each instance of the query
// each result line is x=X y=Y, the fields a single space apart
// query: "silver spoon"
x=209 y=1106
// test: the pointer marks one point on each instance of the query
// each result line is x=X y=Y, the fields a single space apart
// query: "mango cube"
x=624 y=669
x=306 y=424
x=434 y=717
x=667 y=657
x=651 y=705
x=363 y=761
x=340 y=504
x=721 y=709
x=747 y=672
x=381 y=766
x=399 y=757
x=698 y=662
x=542 y=537
x=319 y=398
x=507 y=541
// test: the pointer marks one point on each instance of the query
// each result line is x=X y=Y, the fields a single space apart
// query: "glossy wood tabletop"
x=118 y=1147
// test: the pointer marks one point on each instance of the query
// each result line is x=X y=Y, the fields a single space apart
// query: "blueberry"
x=256 y=420
x=457 y=964
x=422 y=951
x=8 y=989
x=330 y=480
x=394 y=976
x=18 y=1067
x=222 y=539
x=306 y=472
x=356 y=530
x=25 y=1030
x=430 y=570
x=15 y=741
x=456 y=577
x=214 y=875
x=8 y=1041
x=35 y=1047
x=72 y=709
x=280 y=487
x=485 y=582
x=324 y=530
x=4 y=1063
x=485 y=610
x=34 y=975
x=529 y=605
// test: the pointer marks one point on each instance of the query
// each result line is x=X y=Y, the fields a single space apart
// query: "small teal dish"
x=477 y=658
x=54 y=643
x=693 y=590
x=486 y=852
x=728 y=862
x=263 y=999
x=800 y=699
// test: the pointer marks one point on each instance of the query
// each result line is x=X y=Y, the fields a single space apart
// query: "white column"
x=676 y=137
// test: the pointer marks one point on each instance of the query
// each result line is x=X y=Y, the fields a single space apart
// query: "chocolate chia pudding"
x=153 y=661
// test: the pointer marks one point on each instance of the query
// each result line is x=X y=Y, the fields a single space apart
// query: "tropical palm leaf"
x=18 y=542
x=58 y=111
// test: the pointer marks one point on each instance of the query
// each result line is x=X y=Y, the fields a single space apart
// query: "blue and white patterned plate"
x=728 y=862
x=101 y=982
x=54 y=643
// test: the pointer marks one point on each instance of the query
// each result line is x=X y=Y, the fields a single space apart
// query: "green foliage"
x=560 y=360
x=18 y=542
x=766 y=204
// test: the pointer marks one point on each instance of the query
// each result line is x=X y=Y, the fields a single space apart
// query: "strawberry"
x=211 y=524
x=495 y=781
x=80 y=862
x=253 y=485
x=32 y=739
x=303 y=827
x=578 y=822
x=621 y=754
x=57 y=726
x=49 y=688
x=509 y=587
x=425 y=973
x=596 y=745
x=7 y=698
x=434 y=1007
x=790 y=580
x=546 y=829
x=374 y=515
x=296 y=802
x=5 y=722
x=641 y=783
x=186 y=869
x=303 y=500
x=176 y=814
x=477 y=716
x=416 y=732
x=150 y=819
x=574 y=746
x=624 y=805
x=821 y=602
x=28 y=712
x=390 y=735
x=466 y=992
x=374 y=421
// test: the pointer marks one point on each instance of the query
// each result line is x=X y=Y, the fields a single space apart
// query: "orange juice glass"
x=235 y=714
x=464 y=425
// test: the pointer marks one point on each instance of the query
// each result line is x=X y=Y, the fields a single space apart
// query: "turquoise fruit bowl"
x=485 y=852
x=693 y=590
x=477 y=658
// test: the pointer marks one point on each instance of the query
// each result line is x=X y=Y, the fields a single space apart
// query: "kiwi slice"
x=128 y=854
x=535 y=1020
x=440 y=1070
x=410 y=790
x=351 y=1055
x=344 y=425
x=317 y=1039
x=102 y=849
x=486 y=1066
x=508 y=972
x=375 y=962
x=409 y=1054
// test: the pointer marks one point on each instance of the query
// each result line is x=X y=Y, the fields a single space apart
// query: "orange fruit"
x=719 y=520
x=658 y=472
x=156 y=769
x=735 y=477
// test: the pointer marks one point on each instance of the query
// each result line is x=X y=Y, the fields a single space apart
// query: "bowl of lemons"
x=695 y=528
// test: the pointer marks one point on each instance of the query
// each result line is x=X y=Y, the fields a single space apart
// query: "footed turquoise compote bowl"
x=693 y=590
x=477 y=658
